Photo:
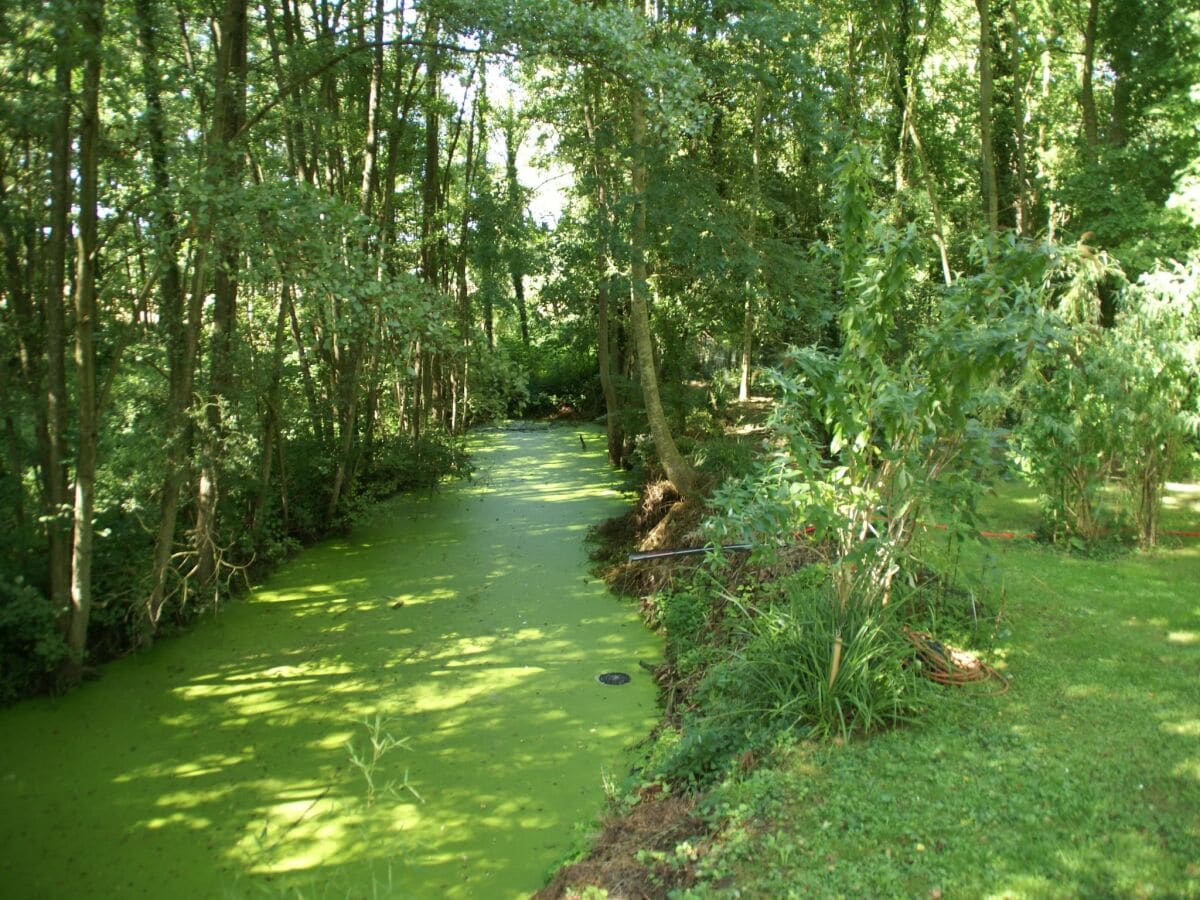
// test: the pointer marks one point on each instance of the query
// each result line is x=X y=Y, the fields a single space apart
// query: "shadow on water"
x=465 y=619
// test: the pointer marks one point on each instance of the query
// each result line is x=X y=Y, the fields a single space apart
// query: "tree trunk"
x=518 y=283
x=679 y=472
x=431 y=182
x=369 y=175
x=91 y=16
x=612 y=404
x=939 y=233
x=515 y=222
x=489 y=319
x=900 y=90
x=270 y=425
x=604 y=335
x=348 y=403
x=58 y=532
x=225 y=159
x=398 y=148
x=1020 y=200
x=987 y=144
x=182 y=339
x=13 y=446
x=462 y=288
x=1043 y=140
x=1087 y=99
x=315 y=416
x=752 y=280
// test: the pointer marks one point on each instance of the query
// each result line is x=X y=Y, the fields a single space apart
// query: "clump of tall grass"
x=797 y=664
x=810 y=662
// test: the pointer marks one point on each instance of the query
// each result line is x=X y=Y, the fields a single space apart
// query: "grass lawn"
x=1082 y=780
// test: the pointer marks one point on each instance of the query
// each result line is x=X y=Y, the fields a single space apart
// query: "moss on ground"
x=216 y=764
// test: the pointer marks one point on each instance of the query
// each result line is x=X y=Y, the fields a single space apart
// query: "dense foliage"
x=264 y=262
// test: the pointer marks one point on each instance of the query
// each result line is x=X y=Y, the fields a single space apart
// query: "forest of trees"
x=266 y=262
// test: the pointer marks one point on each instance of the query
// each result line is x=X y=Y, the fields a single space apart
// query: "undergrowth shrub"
x=561 y=379
x=1112 y=407
x=795 y=665
x=402 y=462
x=684 y=619
x=808 y=662
x=500 y=387
x=31 y=648
x=869 y=440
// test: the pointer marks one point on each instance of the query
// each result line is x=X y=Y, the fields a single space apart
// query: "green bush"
x=707 y=748
x=403 y=463
x=31 y=648
x=684 y=620
x=1113 y=405
x=561 y=378
x=810 y=662
x=798 y=667
x=499 y=386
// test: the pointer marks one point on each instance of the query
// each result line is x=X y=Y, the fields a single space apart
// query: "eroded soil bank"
x=216 y=764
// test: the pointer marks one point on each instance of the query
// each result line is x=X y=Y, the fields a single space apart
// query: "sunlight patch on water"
x=465 y=617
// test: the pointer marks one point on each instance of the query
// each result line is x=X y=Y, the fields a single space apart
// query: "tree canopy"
x=265 y=262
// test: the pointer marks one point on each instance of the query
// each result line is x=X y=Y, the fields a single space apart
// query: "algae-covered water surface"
x=463 y=623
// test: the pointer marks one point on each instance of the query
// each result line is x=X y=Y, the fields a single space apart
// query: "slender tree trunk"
x=518 y=283
x=348 y=403
x=1087 y=99
x=900 y=91
x=398 y=150
x=369 y=173
x=305 y=163
x=366 y=450
x=752 y=282
x=225 y=158
x=283 y=482
x=489 y=319
x=987 y=141
x=315 y=417
x=91 y=15
x=349 y=363
x=604 y=335
x=1043 y=141
x=612 y=404
x=58 y=531
x=13 y=446
x=182 y=339
x=430 y=185
x=462 y=289
x=270 y=426
x=515 y=220
x=1020 y=200
x=939 y=233
x=679 y=472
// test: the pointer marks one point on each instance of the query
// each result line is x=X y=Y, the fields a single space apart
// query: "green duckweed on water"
x=465 y=620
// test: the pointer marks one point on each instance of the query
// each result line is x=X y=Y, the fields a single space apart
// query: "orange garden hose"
x=948 y=665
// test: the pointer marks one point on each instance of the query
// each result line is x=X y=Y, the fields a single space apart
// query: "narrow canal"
x=461 y=623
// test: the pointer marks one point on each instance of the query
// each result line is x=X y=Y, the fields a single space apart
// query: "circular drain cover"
x=613 y=678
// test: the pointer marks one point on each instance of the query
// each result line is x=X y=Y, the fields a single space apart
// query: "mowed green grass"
x=1082 y=781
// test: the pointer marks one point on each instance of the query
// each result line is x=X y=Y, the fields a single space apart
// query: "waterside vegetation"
x=850 y=283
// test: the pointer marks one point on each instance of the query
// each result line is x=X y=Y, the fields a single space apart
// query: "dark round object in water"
x=613 y=678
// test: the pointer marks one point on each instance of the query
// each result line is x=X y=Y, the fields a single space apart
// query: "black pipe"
x=690 y=551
